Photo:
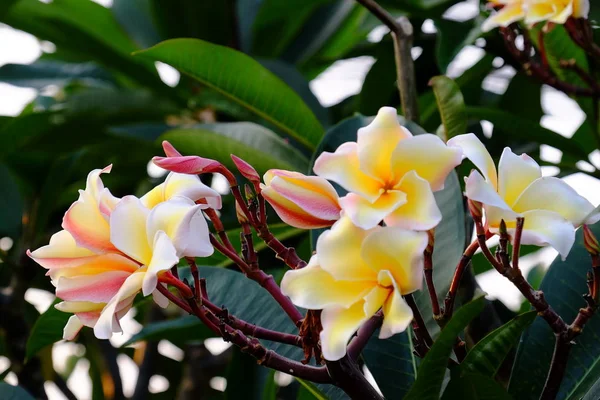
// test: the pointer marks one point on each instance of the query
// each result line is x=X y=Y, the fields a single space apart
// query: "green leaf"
x=453 y=36
x=47 y=330
x=243 y=80
x=475 y=387
x=563 y=286
x=489 y=353
x=23 y=130
x=516 y=127
x=451 y=104
x=11 y=205
x=312 y=390
x=251 y=142
x=178 y=331
x=44 y=73
x=270 y=388
x=394 y=374
x=135 y=16
x=433 y=367
x=10 y=392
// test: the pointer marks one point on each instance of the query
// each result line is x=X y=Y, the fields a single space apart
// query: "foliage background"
x=93 y=103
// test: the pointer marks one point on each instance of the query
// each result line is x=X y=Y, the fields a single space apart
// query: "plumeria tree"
x=344 y=259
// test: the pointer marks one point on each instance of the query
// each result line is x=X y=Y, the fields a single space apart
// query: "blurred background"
x=73 y=99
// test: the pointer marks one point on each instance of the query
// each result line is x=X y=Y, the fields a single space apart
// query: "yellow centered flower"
x=390 y=174
x=534 y=11
x=355 y=273
x=551 y=208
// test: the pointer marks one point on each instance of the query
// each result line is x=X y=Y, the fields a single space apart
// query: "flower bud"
x=590 y=241
x=475 y=208
x=306 y=202
x=246 y=169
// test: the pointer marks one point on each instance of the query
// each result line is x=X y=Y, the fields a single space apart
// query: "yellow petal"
x=506 y=16
x=398 y=251
x=164 y=256
x=339 y=252
x=397 y=315
x=581 y=8
x=339 y=325
x=313 y=288
x=553 y=194
x=128 y=229
x=60 y=252
x=429 y=156
x=475 y=151
x=515 y=174
x=376 y=143
x=343 y=167
x=420 y=212
x=367 y=215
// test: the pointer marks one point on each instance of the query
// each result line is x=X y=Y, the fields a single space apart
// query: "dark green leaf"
x=48 y=329
x=451 y=105
x=270 y=388
x=489 y=353
x=433 y=367
x=312 y=392
x=475 y=387
x=453 y=36
x=44 y=73
x=178 y=331
x=11 y=205
x=243 y=80
x=9 y=392
x=253 y=143
x=23 y=130
x=135 y=16
x=563 y=286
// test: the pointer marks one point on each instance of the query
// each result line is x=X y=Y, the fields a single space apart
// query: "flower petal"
x=98 y=288
x=397 y=314
x=72 y=328
x=553 y=194
x=429 y=156
x=291 y=213
x=420 y=212
x=506 y=16
x=164 y=256
x=515 y=173
x=367 y=215
x=93 y=265
x=581 y=8
x=376 y=143
x=480 y=190
x=343 y=167
x=108 y=321
x=185 y=185
x=128 y=229
x=313 y=288
x=160 y=298
x=339 y=252
x=339 y=324
x=475 y=151
x=398 y=251
x=61 y=250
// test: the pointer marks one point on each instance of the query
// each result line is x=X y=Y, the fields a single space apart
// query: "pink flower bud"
x=305 y=202
x=246 y=169
x=193 y=165
x=170 y=151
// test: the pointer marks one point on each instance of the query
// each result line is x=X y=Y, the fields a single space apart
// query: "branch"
x=455 y=283
x=346 y=375
x=402 y=35
x=364 y=334
x=428 y=271
x=424 y=341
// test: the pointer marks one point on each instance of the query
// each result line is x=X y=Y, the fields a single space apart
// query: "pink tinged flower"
x=551 y=208
x=246 y=169
x=355 y=273
x=157 y=239
x=390 y=174
x=87 y=218
x=183 y=185
x=305 y=202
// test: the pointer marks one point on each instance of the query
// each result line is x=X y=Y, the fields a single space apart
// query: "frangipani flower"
x=355 y=273
x=551 y=208
x=534 y=11
x=305 y=202
x=184 y=185
x=390 y=174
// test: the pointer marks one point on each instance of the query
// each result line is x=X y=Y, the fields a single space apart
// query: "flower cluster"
x=534 y=11
x=111 y=249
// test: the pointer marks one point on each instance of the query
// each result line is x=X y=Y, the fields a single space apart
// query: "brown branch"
x=517 y=242
x=423 y=339
x=428 y=272
x=402 y=35
x=364 y=334
x=347 y=375
x=456 y=279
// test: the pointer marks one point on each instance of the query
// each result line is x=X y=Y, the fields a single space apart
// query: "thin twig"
x=517 y=242
x=423 y=339
x=428 y=272
x=456 y=279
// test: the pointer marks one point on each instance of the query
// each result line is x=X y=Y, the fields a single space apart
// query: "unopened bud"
x=590 y=241
x=250 y=196
x=246 y=169
x=431 y=243
x=241 y=217
x=475 y=208
x=502 y=228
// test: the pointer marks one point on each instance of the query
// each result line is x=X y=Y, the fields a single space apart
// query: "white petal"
x=128 y=229
x=475 y=151
x=72 y=328
x=164 y=256
x=515 y=174
x=479 y=190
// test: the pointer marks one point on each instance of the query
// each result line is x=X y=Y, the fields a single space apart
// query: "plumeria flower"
x=534 y=11
x=156 y=239
x=184 y=185
x=355 y=273
x=551 y=208
x=390 y=174
x=305 y=202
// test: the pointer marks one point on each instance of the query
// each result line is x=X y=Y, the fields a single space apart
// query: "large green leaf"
x=253 y=143
x=178 y=331
x=47 y=330
x=563 y=286
x=388 y=359
x=433 y=367
x=135 y=16
x=451 y=105
x=11 y=205
x=44 y=73
x=453 y=36
x=9 y=392
x=243 y=80
x=474 y=387
x=488 y=354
